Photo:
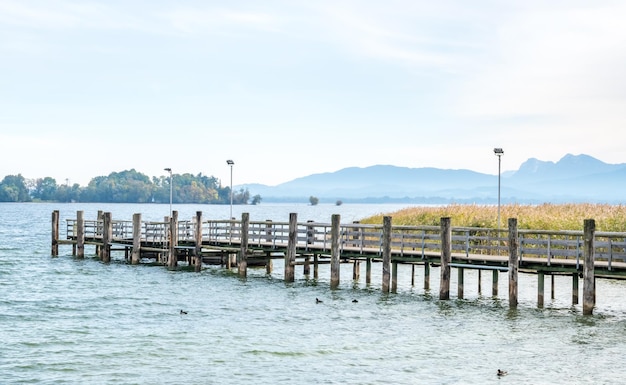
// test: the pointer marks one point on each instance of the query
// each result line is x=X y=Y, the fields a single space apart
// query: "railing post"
x=107 y=235
x=172 y=261
x=513 y=262
x=290 y=256
x=136 y=253
x=386 y=253
x=80 y=234
x=242 y=262
x=589 y=282
x=198 y=242
x=334 y=252
x=446 y=256
x=55 y=234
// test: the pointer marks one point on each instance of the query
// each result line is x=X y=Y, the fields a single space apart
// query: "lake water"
x=70 y=321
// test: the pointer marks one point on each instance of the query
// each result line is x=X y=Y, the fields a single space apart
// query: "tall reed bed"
x=537 y=217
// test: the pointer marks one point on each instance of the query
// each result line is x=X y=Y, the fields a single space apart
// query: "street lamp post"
x=499 y=152
x=170 y=171
x=231 y=163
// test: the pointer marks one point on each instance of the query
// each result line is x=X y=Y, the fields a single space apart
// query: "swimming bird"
x=502 y=373
x=317 y=300
x=355 y=300
x=182 y=311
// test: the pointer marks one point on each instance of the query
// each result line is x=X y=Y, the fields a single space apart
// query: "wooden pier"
x=586 y=254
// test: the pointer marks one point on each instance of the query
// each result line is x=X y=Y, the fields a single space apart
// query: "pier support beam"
x=136 y=253
x=197 y=252
x=290 y=256
x=427 y=275
x=334 y=252
x=494 y=283
x=446 y=256
x=574 y=288
x=55 y=234
x=242 y=261
x=394 y=277
x=589 y=282
x=356 y=270
x=172 y=261
x=460 y=282
x=513 y=262
x=80 y=234
x=107 y=235
x=386 y=253
x=540 y=288
x=368 y=271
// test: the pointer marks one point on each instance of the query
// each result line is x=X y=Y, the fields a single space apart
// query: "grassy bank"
x=537 y=217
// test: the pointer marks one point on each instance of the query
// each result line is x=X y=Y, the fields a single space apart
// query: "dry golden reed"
x=536 y=217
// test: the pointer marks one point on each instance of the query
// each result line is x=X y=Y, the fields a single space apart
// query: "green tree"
x=13 y=189
x=45 y=189
x=256 y=199
x=313 y=200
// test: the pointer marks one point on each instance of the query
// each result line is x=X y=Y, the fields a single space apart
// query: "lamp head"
x=230 y=162
x=498 y=151
x=168 y=169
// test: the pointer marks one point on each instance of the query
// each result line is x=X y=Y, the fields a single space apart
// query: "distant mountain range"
x=574 y=178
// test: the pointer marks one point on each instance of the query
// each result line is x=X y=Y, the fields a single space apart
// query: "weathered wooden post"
x=334 y=252
x=513 y=262
x=242 y=261
x=480 y=282
x=446 y=256
x=494 y=285
x=575 y=288
x=461 y=282
x=107 y=236
x=394 y=277
x=589 y=281
x=290 y=256
x=412 y=274
x=55 y=233
x=268 y=231
x=368 y=271
x=316 y=266
x=356 y=270
x=427 y=275
x=306 y=267
x=552 y=288
x=80 y=234
x=172 y=261
x=197 y=252
x=540 y=288
x=135 y=256
x=386 y=253
x=99 y=230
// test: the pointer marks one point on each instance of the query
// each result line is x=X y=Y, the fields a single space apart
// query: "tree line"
x=127 y=186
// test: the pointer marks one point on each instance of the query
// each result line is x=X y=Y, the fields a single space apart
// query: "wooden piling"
x=412 y=274
x=540 y=288
x=368 y=271
x=589 y=289
x=306 y=268
x=386 y=253
x=494 y=282
x=480 y=282
x=460 y=282
x=427 y=275
x=575 y=288
x=197 y=251
x=513 y=263
x=334 y=252
x=172 y=261
x=316 y=266
x=290 y=256
x=394 y=277
x=54 y=251
x=136 y=253
x=80 y=234
x=552 y=286
x=356 y=270
x=107 y=236
x=446 y=255
x=242 y=261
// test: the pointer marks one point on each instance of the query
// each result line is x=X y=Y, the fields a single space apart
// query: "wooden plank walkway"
x=242 y=243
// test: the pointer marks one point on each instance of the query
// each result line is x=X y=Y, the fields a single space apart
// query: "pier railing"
x=355 y=239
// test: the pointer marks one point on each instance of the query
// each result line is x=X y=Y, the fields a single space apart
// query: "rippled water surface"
x=64 y=320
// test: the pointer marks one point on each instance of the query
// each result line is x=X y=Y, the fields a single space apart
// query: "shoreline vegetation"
x=546 y=216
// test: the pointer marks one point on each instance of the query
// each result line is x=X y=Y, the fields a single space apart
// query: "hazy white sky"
x=289 y=88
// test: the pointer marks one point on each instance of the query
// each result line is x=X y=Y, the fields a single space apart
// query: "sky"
x=291 y=88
